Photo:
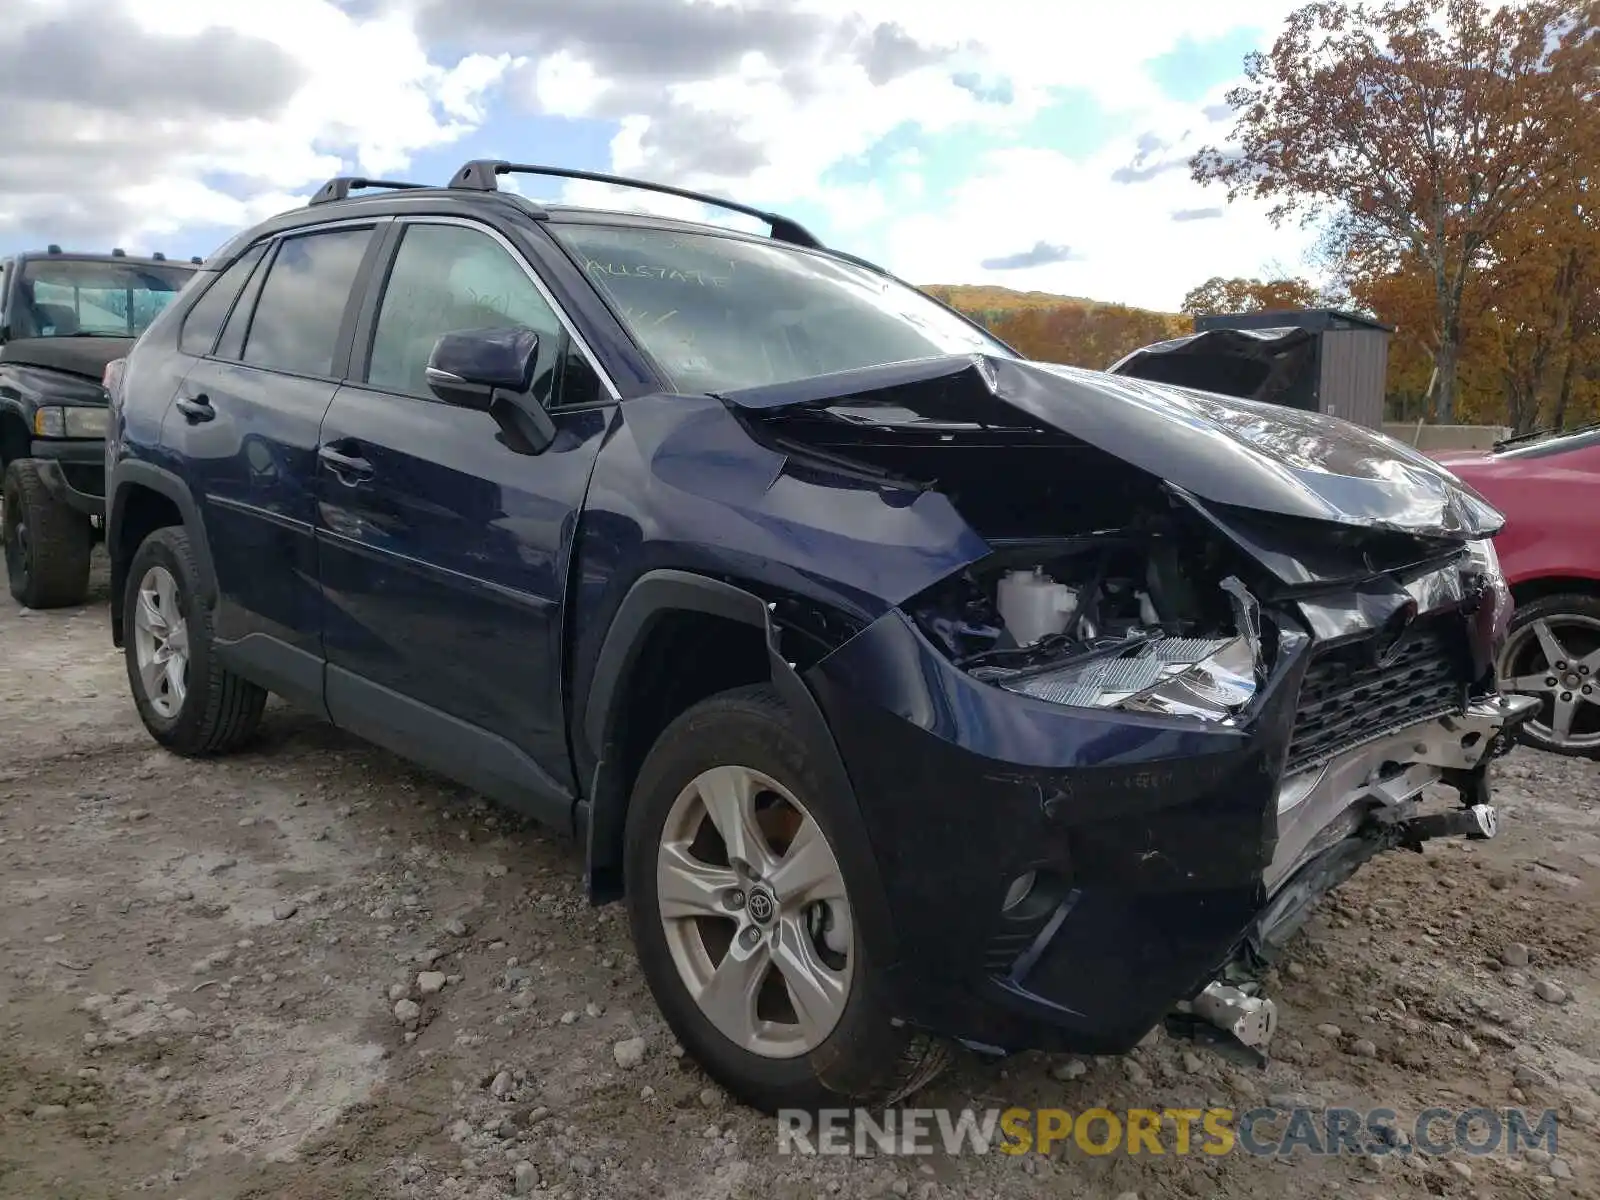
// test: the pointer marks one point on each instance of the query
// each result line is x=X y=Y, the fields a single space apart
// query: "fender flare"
x=129 y=474
x=603 y=812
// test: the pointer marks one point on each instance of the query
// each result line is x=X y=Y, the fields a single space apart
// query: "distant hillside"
x=1064 y=329
x=969 y=297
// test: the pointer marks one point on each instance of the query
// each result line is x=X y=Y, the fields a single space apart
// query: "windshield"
x=77 y=298
x=721 y=313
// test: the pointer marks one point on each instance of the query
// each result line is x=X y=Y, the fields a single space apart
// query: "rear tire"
x=858 y=1055
x=47 y=544
x=188 y=701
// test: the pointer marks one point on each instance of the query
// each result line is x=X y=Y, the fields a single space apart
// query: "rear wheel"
x=47 y=544
x=188 y=701
x=744 y=916
x=1553 y=653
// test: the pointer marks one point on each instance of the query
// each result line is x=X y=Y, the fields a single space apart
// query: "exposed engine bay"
x=1148 y=619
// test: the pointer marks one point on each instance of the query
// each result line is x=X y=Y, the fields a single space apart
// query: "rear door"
x=444 y=552
x=246 y=421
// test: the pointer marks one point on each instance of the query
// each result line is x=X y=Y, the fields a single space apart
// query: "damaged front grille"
x=1350 y=697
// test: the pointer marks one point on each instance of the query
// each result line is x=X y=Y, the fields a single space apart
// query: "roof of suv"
x=474 y=184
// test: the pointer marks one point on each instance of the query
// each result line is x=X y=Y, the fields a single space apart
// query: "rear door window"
x=297 y=320
x=205 y=318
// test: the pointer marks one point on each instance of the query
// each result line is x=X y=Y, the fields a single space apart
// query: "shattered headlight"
x=1486 y=558
x=1197 y=677
x=1211 y=678
x=1483 y=560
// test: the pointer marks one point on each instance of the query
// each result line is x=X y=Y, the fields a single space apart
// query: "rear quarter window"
x=206 y=315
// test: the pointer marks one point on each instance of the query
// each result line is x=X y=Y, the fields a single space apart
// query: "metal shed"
x=1346 y=371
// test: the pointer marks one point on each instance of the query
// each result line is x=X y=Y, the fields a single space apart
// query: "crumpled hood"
x=1220 y=449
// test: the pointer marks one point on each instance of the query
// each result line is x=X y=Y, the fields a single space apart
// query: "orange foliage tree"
x=1083 y=335
x=1421 y=128
x=1217 y=296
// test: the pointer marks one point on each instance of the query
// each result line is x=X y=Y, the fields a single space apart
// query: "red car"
x=1548 y=487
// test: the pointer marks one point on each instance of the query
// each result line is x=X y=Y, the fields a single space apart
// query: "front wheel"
x=47 y=544
x=744 y=921
x=1553 y=653
x=188 y=701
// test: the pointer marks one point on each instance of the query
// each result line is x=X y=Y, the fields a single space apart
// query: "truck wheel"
x=742 y=918
x=47 y=544
x=188 y=701
x=1553 y=653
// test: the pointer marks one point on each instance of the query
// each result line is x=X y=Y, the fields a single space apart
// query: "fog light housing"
x=1019 y=890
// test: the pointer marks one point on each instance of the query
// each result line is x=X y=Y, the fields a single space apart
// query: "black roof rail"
x=481 y=175
x=340 y=187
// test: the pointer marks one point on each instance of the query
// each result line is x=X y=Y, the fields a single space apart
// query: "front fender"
x=602 y=814
x=126 y=478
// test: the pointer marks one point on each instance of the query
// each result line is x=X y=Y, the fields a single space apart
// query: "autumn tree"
x=1217 y=296
x=1417 y=128
x=1082 y=334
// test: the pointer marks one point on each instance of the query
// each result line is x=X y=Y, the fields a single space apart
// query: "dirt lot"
x=202 y=964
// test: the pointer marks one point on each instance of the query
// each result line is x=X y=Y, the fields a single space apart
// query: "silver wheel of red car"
x=1553 y=653
x=753 y=905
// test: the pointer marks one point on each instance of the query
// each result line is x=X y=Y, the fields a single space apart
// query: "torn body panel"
x=1239 y=453
x=1139 y=659
x=1161 y=852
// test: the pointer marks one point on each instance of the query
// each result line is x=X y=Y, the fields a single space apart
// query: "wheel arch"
x=15 y=438
x=1542 y=587
x=142 y=498
x=660 y=605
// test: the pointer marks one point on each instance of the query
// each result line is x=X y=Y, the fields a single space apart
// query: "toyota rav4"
x=908 y=692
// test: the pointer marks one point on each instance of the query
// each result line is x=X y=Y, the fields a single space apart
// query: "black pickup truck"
x=63 y=318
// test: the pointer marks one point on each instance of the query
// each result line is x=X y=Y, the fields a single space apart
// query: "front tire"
x=1552 y=652
x=47 y=544
x=743 y=916
x=188 y=701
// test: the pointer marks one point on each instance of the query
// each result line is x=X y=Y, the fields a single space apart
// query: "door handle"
x=196 y=408
x=348 y=467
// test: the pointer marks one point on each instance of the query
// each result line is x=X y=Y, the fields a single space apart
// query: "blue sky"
x=1006 y=152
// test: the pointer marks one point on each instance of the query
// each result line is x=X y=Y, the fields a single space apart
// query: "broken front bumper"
x=1060 y=878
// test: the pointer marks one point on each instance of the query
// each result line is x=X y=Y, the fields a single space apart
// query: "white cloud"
x=1128 y=247
x=767 y=124
x=937 y=229
x=345 y=92
x=567 y=86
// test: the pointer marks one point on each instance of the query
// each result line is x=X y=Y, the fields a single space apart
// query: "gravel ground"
x=313 y=971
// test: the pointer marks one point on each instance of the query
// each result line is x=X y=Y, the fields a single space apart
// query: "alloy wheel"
x=755 y=911
x=161 y=642
x=1557 y=659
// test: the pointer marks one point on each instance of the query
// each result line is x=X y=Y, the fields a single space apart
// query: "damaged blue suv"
x=908 y=692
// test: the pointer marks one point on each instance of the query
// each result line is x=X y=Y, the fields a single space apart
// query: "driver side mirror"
x=492 y=370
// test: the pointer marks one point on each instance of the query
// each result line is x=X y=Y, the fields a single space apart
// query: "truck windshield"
x=81 y=298
x=720 y=313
